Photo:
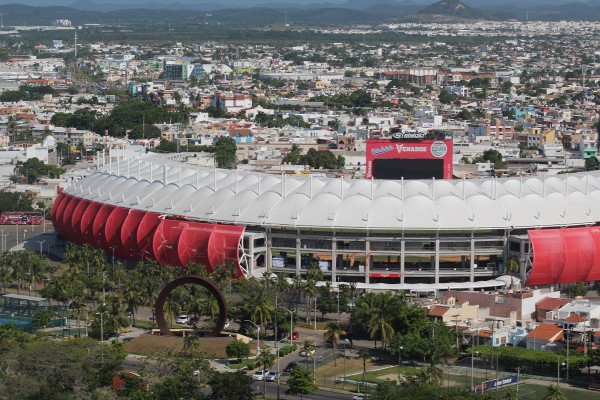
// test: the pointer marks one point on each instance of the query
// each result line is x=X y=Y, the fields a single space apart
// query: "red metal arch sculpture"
x=196 y=280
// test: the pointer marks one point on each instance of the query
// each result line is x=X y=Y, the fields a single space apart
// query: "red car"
x=294 y=335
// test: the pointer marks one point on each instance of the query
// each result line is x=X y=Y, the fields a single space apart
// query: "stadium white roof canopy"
x=251 y=198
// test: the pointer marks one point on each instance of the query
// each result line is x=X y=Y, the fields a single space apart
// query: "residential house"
x=544 y=337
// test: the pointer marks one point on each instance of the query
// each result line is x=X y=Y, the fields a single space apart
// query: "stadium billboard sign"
x=419 y=151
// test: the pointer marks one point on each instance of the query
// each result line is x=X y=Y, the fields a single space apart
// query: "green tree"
x=333 y=332
x=230 y=385
x=301 y=382
x=446 y=97
x=592 y=164
x=225 y=149
x=293 y=156
x=576 y=289
x=14 y=201
x=237 y=349
x=360 y=98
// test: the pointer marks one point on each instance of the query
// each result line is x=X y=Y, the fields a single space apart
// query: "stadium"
x=417 y=235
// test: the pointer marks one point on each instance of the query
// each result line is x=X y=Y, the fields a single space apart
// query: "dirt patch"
x=149 y=345
x=391 y=377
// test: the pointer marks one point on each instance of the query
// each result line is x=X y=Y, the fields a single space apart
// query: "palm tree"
x=5 y=277
x=132 y=298
x=364 y=356
x=554 y=392
x=332 y=334
x=190 y=343
x=308 y=347
x=265 y=361
x=379 y=326
x=260 y=307
x=512 y=267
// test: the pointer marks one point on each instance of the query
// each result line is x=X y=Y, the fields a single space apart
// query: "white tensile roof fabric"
x=251 y=198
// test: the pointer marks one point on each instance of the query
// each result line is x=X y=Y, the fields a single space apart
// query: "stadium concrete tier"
x=421 y=235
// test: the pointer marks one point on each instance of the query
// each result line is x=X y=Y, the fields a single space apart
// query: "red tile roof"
x=575 y=318
x=549 y=332
x=437 y=311
x=551 y=303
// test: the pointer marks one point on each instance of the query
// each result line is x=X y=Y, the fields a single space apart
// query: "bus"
x=21 y=218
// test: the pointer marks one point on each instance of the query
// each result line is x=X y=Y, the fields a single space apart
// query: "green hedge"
x=285 y=350
x=537 y=359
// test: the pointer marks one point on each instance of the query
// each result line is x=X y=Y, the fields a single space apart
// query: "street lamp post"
x=291 y=325
x=257 y=337
x=400 y=348
x=101 y=336
x=473 y=354
x=338 y=299
x=344 y=381
x=518 y=379
x=277 y=348
x=41 y=243
x=558 y=365
x=3 y=246
x=113 y=257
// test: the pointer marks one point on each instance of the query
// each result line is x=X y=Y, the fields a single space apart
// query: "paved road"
x=18 y=237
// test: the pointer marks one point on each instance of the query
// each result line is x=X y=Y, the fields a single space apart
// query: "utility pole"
x=75 y=45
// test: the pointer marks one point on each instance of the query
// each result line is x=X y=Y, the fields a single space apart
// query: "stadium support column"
x=269 y=250
x=437 y=260
x=298 y=255
x=367 y=259
x=472 y=261
x=333 y=259
x=402 y=251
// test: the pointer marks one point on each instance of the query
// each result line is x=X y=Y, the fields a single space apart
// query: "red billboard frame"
x=410 y=149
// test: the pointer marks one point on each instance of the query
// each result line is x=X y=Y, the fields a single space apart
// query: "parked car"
x=272 y=376
x=304 y=353
x=290 y=367
x=260 y=375
x=183 y=319
x=294 y=335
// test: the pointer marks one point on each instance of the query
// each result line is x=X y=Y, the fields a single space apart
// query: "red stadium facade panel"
x=87 y=222
x=193 y=244
x=165 y=239
x=112 y=231
x=413 y=154
x=100 y=224
x=565 y=255
x=224 y=244
x=135 y=234
x=131 y=250
x=76 y=219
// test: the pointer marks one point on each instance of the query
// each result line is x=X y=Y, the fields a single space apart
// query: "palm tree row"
x=23 y=267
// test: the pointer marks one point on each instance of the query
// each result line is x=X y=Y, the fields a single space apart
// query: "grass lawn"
x=245 y=363
x=528 y=391
x=382 y=375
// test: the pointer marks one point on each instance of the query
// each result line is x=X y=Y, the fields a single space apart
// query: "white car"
x=260 y=375
x=272 y=376
x=183 y=319
x=304 y=353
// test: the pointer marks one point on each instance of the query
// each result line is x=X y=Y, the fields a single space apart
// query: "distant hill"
x=454 y=10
